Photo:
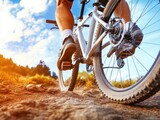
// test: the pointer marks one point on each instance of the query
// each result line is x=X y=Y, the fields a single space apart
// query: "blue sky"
x=25 y=37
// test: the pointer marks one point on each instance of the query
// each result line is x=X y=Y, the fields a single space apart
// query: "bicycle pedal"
x=66 y=65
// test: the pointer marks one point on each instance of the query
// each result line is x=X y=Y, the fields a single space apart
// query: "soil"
x=38 y=102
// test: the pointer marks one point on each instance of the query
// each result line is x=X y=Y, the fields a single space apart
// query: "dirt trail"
x=48 y=103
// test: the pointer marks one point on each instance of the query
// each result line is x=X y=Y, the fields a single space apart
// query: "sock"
x=129 y=25
x=66 y=33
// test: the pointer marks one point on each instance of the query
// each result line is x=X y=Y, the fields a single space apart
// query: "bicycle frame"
x=87 y=48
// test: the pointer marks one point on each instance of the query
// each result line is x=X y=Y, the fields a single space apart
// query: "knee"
x=123 y=2
x=64 y=3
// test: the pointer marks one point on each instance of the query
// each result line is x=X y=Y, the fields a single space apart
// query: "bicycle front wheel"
x=67 y=78
x=139 y=77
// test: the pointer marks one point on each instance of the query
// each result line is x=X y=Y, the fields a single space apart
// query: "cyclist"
x=65 y=23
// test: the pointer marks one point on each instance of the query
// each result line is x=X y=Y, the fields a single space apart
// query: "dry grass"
x=19 y=80
x=86 y=79
x=9 y=77
x=123 y=84
x=38 y=79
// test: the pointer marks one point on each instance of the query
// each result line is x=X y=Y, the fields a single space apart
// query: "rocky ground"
x=38 y=102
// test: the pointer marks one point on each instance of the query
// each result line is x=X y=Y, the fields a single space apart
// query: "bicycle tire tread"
x=144 y=94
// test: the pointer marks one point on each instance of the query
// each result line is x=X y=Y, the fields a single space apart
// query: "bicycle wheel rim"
x=105 y=66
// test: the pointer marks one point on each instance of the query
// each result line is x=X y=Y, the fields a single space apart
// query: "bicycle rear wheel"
x=139 y=78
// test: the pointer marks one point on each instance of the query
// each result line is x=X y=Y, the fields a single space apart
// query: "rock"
x=30 y=103
x=4 y=108
x=35 y=88
x=88 y=105
x=4 y=98
x=4 y=116
x=30 y=87
x=4 y=90
x=53 y=90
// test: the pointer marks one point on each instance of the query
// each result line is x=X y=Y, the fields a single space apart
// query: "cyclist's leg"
x=64 y=15
x=127 y=48
x=123 y=11
x=65 y=23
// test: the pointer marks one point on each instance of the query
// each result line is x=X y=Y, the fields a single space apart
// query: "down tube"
x=81 y=41
x=91 y=32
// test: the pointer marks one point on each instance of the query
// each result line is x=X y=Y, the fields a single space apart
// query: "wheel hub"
x=116 y=36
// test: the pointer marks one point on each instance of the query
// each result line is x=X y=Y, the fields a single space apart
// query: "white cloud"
x=45 y=49
x=35 y=7
x=23 y=33
x=8 y=24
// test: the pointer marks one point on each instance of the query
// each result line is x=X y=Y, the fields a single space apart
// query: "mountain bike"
x=101 y=28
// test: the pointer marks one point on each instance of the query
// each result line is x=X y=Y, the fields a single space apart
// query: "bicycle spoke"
x=135 y=66
x=108 y=65
x=150 y=19
x=128 y=70
x=140 y=63
x=131 y=4
x=121 y=77
x=117 y=75
x=147 y=53
x=145 y=7
x=152 y=32
x=134 y=8
x=151 y=43
x=105 y=59
x=152 y=24
x=112 y=68
x=144 y=12
x=149 y=10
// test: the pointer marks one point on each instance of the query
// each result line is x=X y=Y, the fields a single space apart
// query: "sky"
x=24 y=35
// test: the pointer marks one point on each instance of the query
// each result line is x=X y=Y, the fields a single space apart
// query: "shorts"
x=103 y=2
